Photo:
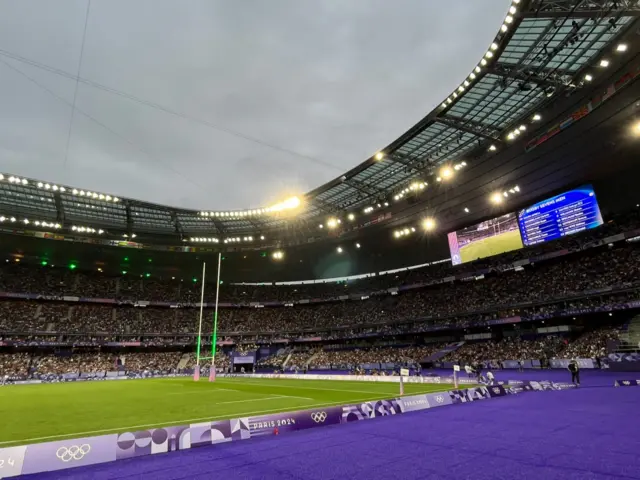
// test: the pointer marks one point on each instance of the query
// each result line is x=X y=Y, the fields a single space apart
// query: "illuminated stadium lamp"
x=472 y=76
x=429 y=224
x=477 y=69
x=379 y=156
x=537 y=117
x=635 y=129
x=489 y=54
x=508 y=19
x=494 y=46
x=512 y=10
x=339 y=249
x=511 y=136
x=261 y=237
x=278 y=255
x=466 y=210
x=604 y=63
x=492 y=148
x=351 y=217
x=446 y=172
x=621 y=48
x=588 y=77
x=483 y=62
x=496 y=198
x=332 y=223
x=1 y=177
x=357 y=245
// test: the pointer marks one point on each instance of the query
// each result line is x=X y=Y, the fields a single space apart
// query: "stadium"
x=485 y=261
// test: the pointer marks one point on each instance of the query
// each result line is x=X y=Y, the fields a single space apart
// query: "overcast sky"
x=273 y=97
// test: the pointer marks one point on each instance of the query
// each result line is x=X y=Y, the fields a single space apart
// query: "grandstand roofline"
x=541 y=54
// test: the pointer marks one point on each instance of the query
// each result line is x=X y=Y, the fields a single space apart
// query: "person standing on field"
x=574 y=368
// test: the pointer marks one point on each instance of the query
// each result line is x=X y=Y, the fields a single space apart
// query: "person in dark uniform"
x=575 y=372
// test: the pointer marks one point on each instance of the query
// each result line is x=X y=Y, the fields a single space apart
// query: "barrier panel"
x=564 y=363
x=352 y=378
x=627 y=383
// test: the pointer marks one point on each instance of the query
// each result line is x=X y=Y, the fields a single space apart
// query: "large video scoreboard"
x=565 y=214
x=555 y=217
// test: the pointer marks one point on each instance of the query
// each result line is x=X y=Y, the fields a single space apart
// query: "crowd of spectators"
x=506 y=292
x=75 y=363
x=357 y=357
x=507 y=349
x=154 y=362
x=14 y=365
x=58 y=282
x=592 y=344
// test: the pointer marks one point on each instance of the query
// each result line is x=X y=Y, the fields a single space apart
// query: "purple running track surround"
x=578 y=434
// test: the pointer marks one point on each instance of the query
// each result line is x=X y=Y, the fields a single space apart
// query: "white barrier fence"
x=352 y=378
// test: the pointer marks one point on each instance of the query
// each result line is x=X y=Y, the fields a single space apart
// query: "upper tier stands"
x=18 y=278
x=582 y=277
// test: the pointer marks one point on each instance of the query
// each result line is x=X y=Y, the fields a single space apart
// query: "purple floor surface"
x=581 y=434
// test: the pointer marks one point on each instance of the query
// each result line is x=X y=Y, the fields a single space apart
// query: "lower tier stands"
x=593 y=277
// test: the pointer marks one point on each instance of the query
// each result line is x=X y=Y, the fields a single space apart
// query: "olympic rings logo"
x=319 y=417
x=440 y=399
x=74 y=452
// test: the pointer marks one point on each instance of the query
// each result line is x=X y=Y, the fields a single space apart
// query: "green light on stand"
x=44 y=263
x=72 y=266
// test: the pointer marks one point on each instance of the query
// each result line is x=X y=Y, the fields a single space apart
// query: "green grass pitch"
x=505 y=242
x=47 y=412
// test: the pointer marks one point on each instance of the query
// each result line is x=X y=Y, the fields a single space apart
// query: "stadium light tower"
x=497 y=198
x=446 y=173
x=429 y=224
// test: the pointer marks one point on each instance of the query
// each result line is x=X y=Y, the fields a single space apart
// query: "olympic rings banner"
x=79 y=452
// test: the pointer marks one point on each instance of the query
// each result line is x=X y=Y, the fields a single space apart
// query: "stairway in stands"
x=184 y=361
x=630 y=336
x=434 y=357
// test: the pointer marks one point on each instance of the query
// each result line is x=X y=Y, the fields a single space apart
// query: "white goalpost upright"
x=214 y=339
x=196 y=371
x=214 y=333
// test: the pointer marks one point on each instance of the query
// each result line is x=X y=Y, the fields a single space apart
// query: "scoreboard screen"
x=558 y=216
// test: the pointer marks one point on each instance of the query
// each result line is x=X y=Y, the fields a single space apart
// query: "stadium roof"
x=544 y=49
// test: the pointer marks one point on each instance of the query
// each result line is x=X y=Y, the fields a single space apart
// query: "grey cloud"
x=331 y=80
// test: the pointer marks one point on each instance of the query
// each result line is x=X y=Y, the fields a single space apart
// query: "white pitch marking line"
x=188 y=421
x=293 y=396
x=194 y=392
x=278 y=397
